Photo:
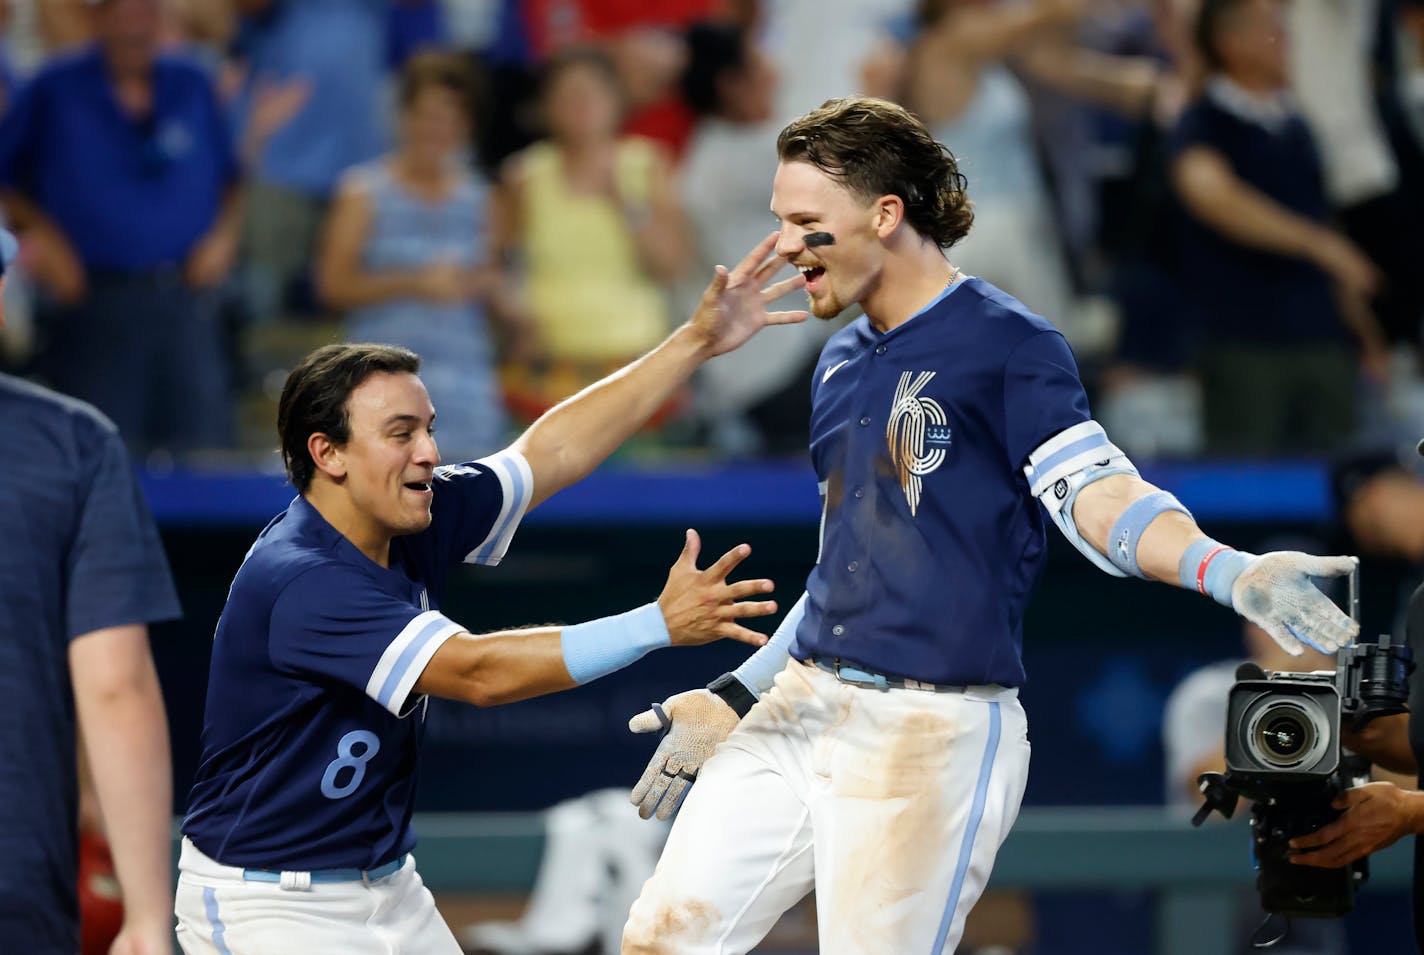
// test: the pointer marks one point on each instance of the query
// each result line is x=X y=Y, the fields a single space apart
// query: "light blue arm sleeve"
x=758 y=670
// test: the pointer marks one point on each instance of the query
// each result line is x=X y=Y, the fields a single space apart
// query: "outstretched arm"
x=575 y=436
x=695 y=607
x=1148 y=533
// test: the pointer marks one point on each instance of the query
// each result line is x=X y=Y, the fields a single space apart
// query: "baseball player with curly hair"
x=875 y=749
x=298 y=833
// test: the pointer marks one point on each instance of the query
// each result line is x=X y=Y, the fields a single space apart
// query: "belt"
x=325 y=875
x=853 y=675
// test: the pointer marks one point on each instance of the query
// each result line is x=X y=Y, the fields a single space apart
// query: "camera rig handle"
x=1220 y=794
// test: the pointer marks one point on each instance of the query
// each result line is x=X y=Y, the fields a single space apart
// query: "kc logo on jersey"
x=918 y=434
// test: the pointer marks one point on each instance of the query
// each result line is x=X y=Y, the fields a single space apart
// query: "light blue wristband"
x=1127 y=530
x=599 y=647
x=759 y=670
x=1223 y=565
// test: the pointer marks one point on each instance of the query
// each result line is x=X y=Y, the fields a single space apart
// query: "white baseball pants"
x=891 y=804
x=221 y=913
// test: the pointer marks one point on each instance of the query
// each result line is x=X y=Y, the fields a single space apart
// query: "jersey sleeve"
x=118 y=574
x=334 y=623
x=478 y=507
x=1042 y=394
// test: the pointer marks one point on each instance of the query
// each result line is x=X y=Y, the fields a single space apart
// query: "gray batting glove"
x=696 y=721
x=1274 y=591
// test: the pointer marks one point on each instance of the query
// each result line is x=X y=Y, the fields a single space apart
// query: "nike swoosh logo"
x=832 y=370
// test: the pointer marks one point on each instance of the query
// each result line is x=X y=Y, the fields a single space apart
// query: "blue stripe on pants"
x=210 y=904
x=976 y=815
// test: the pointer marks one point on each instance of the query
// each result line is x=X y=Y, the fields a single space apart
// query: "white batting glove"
x=1274 y=591
x=696 y=721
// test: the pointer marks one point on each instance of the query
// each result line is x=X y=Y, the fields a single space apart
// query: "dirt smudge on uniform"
x=911 y=763
x=902 y=788
x=670 y=927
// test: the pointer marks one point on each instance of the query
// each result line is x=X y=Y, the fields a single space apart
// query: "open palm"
x=734 y=306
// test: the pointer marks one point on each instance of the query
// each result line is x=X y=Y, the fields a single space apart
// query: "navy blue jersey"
x=311 y=734
x=80 y=553
x=931 y=540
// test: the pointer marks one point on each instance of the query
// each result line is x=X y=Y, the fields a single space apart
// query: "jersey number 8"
x=347 y=759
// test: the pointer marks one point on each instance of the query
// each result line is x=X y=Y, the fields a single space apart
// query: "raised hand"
x=699 y=606
x=734 y=305
x=1275 y=592
x=696 y=721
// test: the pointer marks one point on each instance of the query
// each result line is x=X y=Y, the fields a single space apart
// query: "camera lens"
x=1284 y=735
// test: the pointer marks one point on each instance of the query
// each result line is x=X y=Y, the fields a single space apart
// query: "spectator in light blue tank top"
x=406 y=254
x=338 y=53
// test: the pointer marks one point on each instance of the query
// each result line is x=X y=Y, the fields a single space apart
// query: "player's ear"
x=889 y=212
x=328 y=456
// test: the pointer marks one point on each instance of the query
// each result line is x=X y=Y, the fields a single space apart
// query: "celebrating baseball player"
x=298 y=833
x=885 y=757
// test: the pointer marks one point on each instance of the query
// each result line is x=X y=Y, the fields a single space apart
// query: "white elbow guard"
x=1064 y=465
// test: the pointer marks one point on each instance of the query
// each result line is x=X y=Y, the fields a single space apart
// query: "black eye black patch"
x=814 y=240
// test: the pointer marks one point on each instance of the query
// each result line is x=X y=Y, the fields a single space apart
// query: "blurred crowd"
x=1219 y=202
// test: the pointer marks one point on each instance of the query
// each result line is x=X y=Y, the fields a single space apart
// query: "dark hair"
x=879 y=148
x=713 y=49
x=929 y=12
x=446 y=71
x=576 y=56
x=1211 y=20
x=314 y=399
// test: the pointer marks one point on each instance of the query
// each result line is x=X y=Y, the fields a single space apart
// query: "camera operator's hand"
x=1274 y=591
x=1375 y=815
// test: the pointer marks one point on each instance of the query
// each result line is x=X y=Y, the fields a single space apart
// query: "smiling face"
x=806 y=200
x=388 y=463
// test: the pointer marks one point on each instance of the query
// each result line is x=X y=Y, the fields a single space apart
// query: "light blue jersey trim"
x=411 y=651
x=210 y=906
x=520 y=497
x=976 y=815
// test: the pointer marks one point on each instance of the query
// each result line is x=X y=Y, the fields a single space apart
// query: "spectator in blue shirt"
x=81 y=576
x=1258 y=251
x=115 y=162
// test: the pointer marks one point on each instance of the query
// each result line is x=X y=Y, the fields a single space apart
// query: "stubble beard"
x=826 y=309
